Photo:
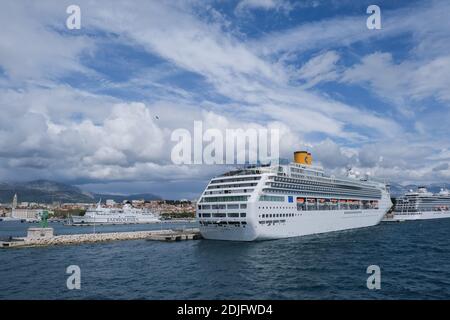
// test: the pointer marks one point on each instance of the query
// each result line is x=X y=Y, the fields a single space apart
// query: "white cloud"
x=441 y=167
x=235 y=70
x=426 y=23
x=245 y=5
x=382 y=75
x=320 y=68
x=404 y=81
x=119 y=142
x=313 y=35
x=432 y=79
x=30 y=49
x=52 y=129
x=331 y=155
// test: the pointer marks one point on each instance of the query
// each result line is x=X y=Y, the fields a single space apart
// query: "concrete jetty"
x=71 y=239
x=176 y=235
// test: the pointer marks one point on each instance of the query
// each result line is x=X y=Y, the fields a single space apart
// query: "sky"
x=96 y=107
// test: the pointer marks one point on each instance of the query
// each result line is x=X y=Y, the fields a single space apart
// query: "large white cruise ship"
x=421 y=205
x=125 y=215
x=280 y=201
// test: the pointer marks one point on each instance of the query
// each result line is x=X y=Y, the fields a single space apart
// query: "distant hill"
x=45 y=191
x=120 y=198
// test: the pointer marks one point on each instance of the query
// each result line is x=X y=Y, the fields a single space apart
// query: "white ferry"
x=125 y=215
x=421 y=205
x=280 y=201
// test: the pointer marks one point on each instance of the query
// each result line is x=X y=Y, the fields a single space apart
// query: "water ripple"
x=413 y=257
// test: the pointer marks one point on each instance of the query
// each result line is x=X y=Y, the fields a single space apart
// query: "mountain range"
x=45 y=191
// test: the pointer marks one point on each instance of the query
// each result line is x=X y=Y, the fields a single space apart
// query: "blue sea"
x=414 y=258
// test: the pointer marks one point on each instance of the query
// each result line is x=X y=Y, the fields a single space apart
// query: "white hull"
x=302 y=224
x=314 y=222
x=425 y=215
x=7 y=219
x=113 y=220
x=12 y=219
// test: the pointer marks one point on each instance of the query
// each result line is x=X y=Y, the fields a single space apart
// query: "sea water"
x=413 y=257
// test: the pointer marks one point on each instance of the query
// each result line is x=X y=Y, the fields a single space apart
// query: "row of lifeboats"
x=331 y=201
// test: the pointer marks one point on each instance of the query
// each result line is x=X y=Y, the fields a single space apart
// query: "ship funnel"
x=303 y=157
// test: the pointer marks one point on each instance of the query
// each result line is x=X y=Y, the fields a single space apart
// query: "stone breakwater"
x=162 y=235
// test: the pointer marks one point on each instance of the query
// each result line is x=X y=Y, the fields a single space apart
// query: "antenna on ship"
x=349 y=170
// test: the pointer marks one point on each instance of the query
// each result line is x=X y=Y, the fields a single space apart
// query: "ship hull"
x=302 y=223
x=321 y=222
x=426 y=215
x=306 y=223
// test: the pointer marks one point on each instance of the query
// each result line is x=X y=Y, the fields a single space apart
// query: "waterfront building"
x=14 y=202
x=26 y=214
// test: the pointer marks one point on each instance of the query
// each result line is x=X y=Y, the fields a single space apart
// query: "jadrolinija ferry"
x=422 y=205
x=280 y=201
x=125 y=215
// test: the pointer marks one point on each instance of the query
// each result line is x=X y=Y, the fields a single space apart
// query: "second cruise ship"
x=422 y=205
x=280 y=201
x=125 y=215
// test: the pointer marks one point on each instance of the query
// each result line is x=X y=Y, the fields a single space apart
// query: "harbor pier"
x=73 y=239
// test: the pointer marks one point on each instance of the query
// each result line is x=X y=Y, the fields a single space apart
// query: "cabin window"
x=219 y=215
